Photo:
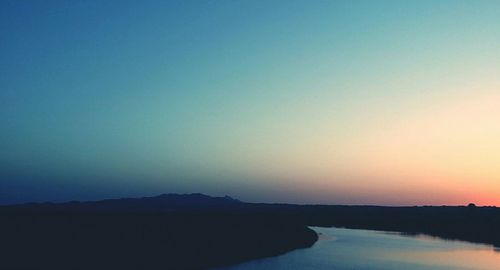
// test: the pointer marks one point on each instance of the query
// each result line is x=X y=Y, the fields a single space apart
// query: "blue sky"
x=263 y=100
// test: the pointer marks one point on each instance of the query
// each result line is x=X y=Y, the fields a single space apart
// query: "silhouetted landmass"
x=196 y=231
x=165 y=232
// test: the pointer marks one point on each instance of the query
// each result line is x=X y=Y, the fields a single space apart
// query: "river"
x=347 y=249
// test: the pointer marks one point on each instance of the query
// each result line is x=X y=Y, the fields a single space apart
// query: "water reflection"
x=362 y=249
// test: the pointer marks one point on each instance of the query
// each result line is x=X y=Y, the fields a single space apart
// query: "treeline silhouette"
x=467 y=223
x=196 y=231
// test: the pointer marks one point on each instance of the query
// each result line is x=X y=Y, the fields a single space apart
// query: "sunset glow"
x=340 y=102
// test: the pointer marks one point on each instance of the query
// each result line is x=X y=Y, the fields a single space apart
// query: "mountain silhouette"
x=160 y=203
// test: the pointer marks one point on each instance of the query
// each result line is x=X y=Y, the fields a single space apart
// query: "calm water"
x=339 y=249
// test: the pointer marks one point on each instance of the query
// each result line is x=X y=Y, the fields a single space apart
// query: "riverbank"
x=473 y=224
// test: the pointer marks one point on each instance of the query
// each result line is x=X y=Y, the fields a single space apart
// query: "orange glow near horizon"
x=448 y=154
x=453 y=148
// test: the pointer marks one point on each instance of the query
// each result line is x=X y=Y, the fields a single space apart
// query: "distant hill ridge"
x=160 y=203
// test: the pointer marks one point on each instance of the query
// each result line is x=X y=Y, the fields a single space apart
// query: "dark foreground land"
x=165 y=232
x=198 y=232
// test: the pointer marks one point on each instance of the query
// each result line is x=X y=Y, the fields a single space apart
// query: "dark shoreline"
x=472 y=224
x=200 y=232
x=101 y=236
x=143 y=240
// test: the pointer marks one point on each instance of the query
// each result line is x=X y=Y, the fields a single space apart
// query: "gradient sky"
x=344 y=102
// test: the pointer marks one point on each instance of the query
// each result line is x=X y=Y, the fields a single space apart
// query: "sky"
x=339 y=102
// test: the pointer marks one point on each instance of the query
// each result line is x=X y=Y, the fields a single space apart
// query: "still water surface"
x=342 y=249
